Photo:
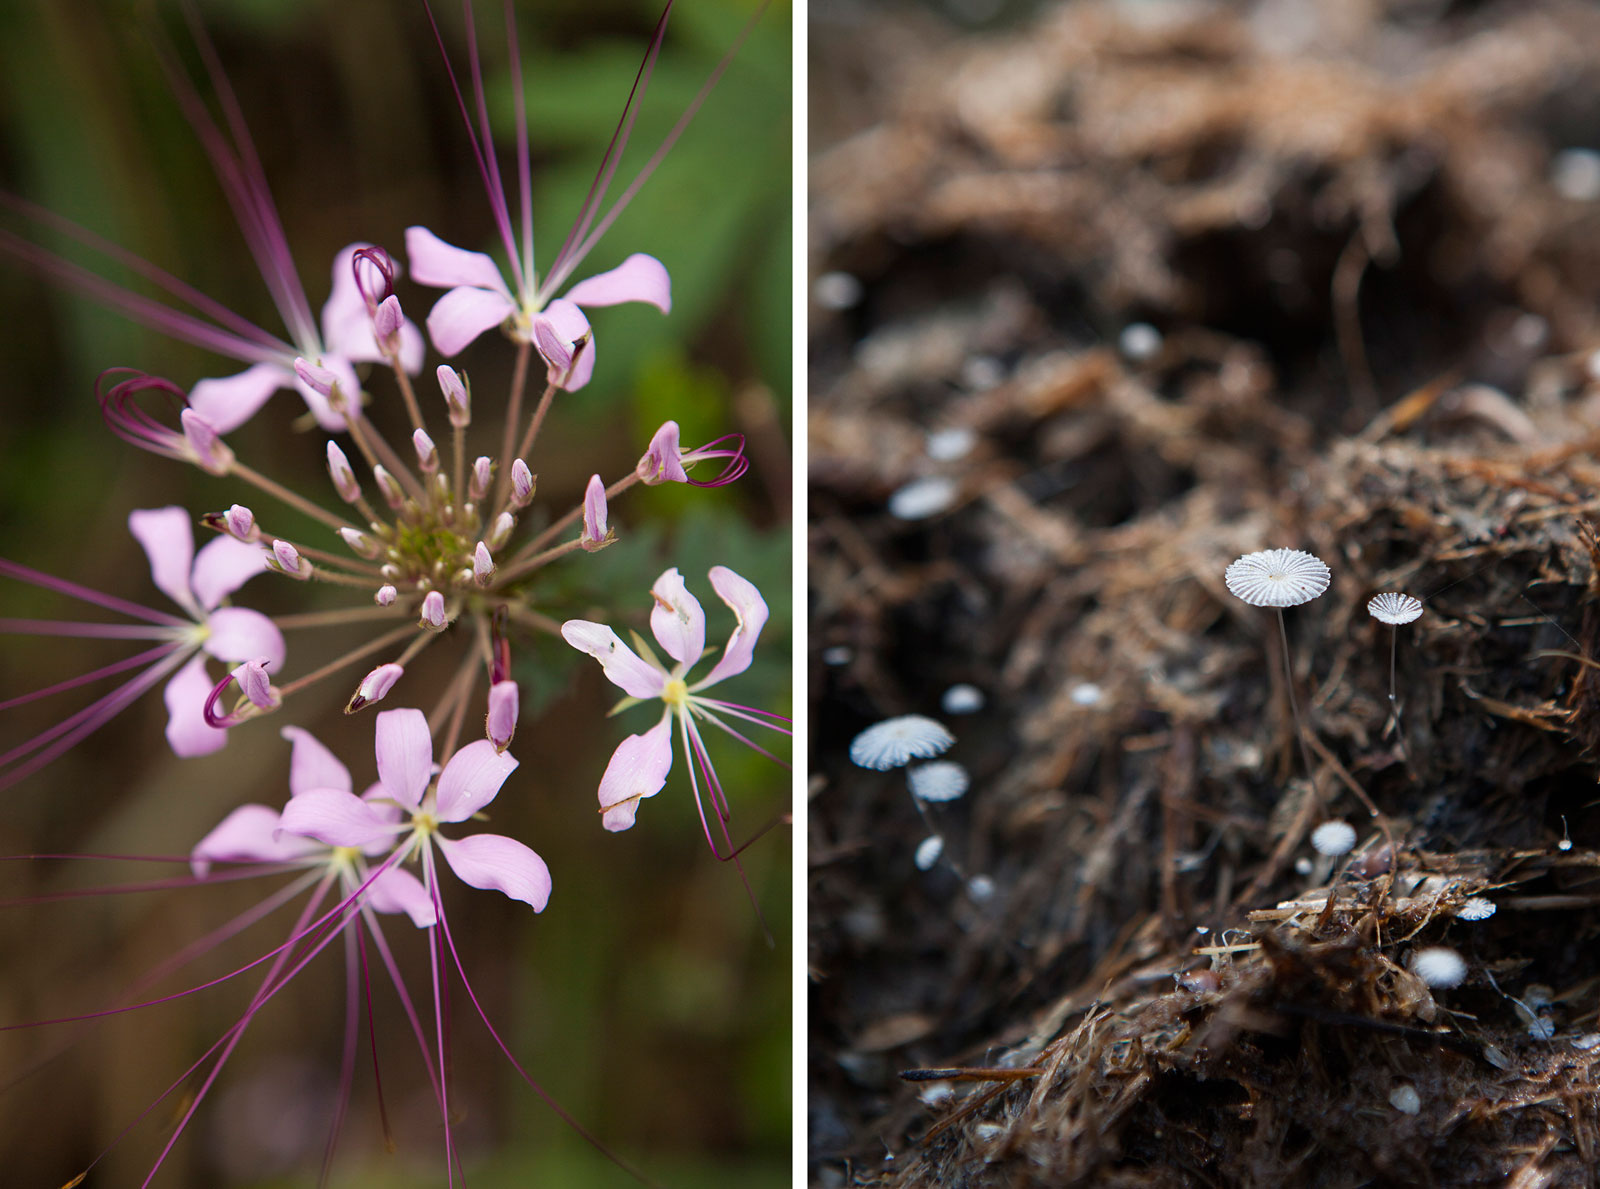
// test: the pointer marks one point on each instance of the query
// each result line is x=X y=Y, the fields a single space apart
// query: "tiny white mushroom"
x=1476 y=909
x=1139 y=341
x=947 y=445
x=1405 y=1099
x=1334 y=838
x=1439 y=967
x=962 y=699
x=928 y=852
x=895 y=741
x=1086 y=693
x=922 y=498
x=943 y=780
x=836 y=290
x=980 y=888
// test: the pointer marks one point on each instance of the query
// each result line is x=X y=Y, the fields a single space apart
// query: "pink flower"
x=332 y=814
x=665 y=462
x=639 y=767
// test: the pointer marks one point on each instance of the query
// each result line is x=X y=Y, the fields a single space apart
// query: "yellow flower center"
x=675 y=693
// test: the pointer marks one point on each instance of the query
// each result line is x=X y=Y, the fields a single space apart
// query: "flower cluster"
x=440 y=540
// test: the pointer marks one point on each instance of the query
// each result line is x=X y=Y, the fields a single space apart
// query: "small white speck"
x=982 y=372
x=1439 y=967
x=894 y=741
x=1203 y=930
x=928 y=852
x=1139 y=341
x=962 y=699
x=1302 y=866
x=1564 y=844
x=1530 y=331
x=1476 y=909
x=1086 y=693
x=988 y=1131
x=922 y=498
x=1575 y=174
x=1334 y=838
x=943 y=780
x=1405 y=1099
x=980 y=888
x=947 y=445
x=836 y=291
x=839 y=654
x=936 y=1092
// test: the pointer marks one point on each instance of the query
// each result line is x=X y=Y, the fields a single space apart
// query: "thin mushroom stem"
x=1294 y=703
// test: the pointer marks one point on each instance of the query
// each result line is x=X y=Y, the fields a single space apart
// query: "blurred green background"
x=646 y=997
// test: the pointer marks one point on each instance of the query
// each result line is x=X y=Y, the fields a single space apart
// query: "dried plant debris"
x=1136 y=291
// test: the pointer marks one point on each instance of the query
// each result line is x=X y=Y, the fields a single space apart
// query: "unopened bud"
x=359 y=543
x=482 y=565
x=256 y=685
x=501 y=722
x=386 y=595
x=522 y=483
x=207 y=448
x=457 y=396
x=241 y=523
x=319 y=379
x=344 y=479
x=289 y=561
x=505 y=524
x=433 y=611
x=596 y=535
x=441 y=495
x=393 y=495
x=386 y=323
x=374 y=686
x=482 y=475
x=427 y=453
x=663 y=461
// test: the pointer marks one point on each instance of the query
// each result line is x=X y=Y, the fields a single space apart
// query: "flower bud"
x=386 y=595
x=360 y=544
x=482 y=475
x=427 y=453
x=206 y=447
x=595 y=535
x=289 y=561
x=386 y=323
x=374 y=686
x=344 y=479
x=241 y=523
x=505 y=524
x=522 y=484
x=663 y=461
x=482 y=565
x=457 y=396
x=256 y=685
x=393 y=494
x=501 y=722
x=319 y=379
x=433 y=611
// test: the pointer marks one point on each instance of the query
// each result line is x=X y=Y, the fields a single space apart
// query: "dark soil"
x=1372 y=261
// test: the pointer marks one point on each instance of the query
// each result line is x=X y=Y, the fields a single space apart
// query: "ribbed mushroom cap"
x=1277 y=578
x=1395 y=608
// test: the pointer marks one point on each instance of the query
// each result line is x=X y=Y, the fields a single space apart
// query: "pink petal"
x=396 y=890
x=492 y=861
x=471 y=779
x=413 y=347
x=463 y=314
x=500 y=724
x=677 y=620
x=405 y=755
x=185 y=696
x=443 y=266
x=335 y=818
x=228 y=403
x=248 y=834
x=621 y=664
x=168 y=542
x=224 y=565
x=750 y=609
x=638 y=278
x=638 y=769
x=240 y=634
x=313 y=766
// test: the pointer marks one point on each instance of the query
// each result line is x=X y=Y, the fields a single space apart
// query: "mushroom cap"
x=1393 y=607
x=894 y=741
x=1277 y=578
